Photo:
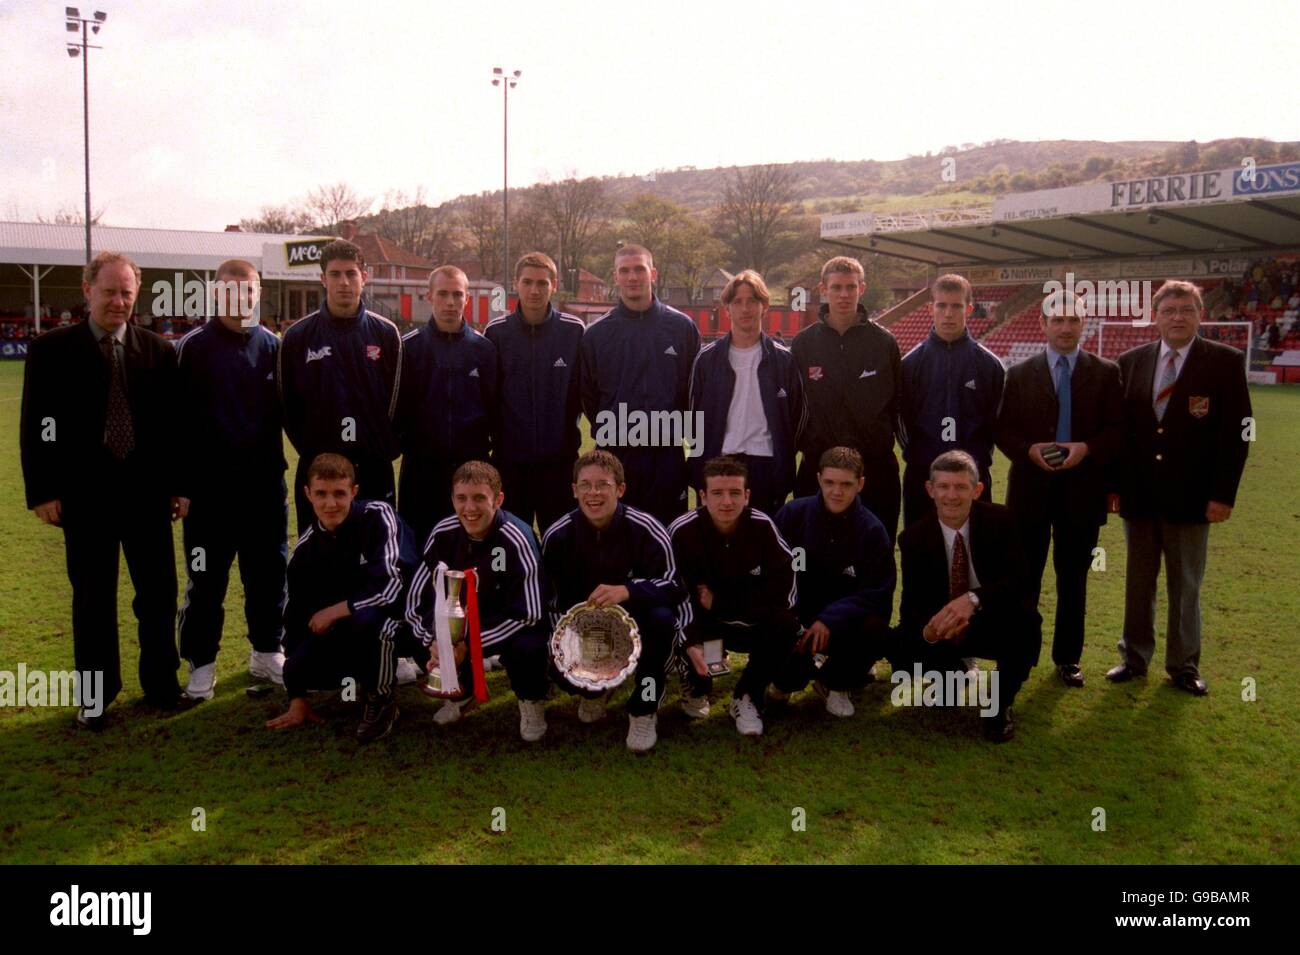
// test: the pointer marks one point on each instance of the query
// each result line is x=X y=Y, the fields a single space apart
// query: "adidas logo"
x=559 y=363
x=849 y=571
x=363 y=560
x=670 y=350
x=270 y=376
x=867 y=374
x=473 y=372
x=756 y=572
x=322 y=353
x=971 y=384
x=780 y=393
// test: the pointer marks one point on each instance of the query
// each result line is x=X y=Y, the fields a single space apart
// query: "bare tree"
x=330 y=205
x=684 y=252
x=282 y=220
x=481 y=218
x=756 y=216
x=67 y=216
x=572 y=210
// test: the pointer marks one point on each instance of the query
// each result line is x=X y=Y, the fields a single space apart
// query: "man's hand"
x=322 y=620
x=706 y=596
x=952 y=619
x=1216 y=513
x=299 y=712
x=180 y=507
x=1112 y=503
x=607 y=594
x=51 y=512
x=1036 y=454
x=1078 y=450
x=695 y=653
x=458 y=651
x=815 y=638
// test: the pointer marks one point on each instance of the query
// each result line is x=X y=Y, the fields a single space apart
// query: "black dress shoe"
x=170 y=703
x=1123 y=673
x=1000 y=728
x=1192 y=683
x=1070 y=674
x=93 y=723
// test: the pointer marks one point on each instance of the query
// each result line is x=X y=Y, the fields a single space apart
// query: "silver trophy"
x=596 y=648
x=449 y=632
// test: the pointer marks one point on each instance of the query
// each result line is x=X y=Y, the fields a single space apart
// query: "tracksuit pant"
x=368 y=655
x=656 y=480
x=768 y=644
x=253 y=524
x=766 y=490
x=881 y=493
x=849 y=653
x=524 y=655
x=374 y=477
x=424 y=496
x=540 y=491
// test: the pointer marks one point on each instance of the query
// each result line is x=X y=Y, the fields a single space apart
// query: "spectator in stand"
x=1274 y=336
x=65 y=317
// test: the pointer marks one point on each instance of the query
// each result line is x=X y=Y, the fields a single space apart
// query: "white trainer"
x=838 y=703
x=641 y=735
x=745 y=713
x=407 y=671
x=266 y=666
x=532 y=720
x=203 y=681
x=452 y=710
x=591 y=711
x=696 y=707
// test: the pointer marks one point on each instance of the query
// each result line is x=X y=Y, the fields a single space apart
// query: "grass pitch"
x=1181 y=780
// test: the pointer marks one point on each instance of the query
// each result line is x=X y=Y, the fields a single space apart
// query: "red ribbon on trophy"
x=475 y=640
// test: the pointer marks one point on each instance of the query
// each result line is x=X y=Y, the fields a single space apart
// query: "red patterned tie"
x=959 y=576
x=1167 y=382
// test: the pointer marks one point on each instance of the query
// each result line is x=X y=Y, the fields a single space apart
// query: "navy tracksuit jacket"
x=780 y=385
x=446 y=409
x=512 y=620
x=338 y=382
x=947 y=383
x=642 y=362
x=368 y=560
x=536 y=437
x=231 y=424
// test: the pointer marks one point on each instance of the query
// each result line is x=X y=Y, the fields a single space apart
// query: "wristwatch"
x=974 y=598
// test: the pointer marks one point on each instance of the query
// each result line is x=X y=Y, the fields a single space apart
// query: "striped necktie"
x=119 y=431
x=1166 y=385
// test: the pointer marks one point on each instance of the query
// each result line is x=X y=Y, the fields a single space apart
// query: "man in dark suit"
x=1068 y=399
x=964 y=588
x=97 y=428
x=1186 y=405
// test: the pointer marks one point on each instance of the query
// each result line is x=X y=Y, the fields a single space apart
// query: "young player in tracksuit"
x=750 y=393
x=446 y=406
x=345 y=614
x=503 y=552
x=338 y=376
x=741 y=580
x=952 y=388
x=636 y=361
x=604 y=553
x=231 y=412
x=846 y=584
x=536 y=437
x=852 y=380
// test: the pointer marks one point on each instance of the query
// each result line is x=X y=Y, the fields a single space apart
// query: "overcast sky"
x=203 y=112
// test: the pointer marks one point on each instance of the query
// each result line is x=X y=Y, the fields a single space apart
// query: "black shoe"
x=378 y=717
x=1123 y=673
x=1070 y=674
x=1000 y=728
x=1192 y=683
x=172 y=704
x=95 y=724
